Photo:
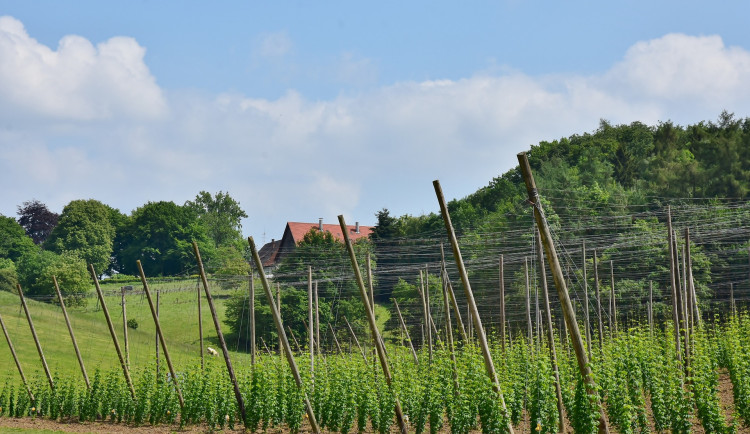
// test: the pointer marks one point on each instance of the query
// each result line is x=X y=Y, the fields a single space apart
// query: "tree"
x=221 y=215
x=37 y=220
x=13 y=239
x=35 y=271
x=160 y=235
x=85 y=228
x=8 y=275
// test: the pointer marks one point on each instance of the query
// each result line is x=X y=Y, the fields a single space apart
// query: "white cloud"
x=77 y=81
x=276 y=44
x=293 y=158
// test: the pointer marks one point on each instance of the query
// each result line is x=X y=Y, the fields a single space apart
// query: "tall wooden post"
x=562 y=290
x=406 y=332
x=731 y=299
x=155 y=315
x=448 y=328
x=528 y=299
x=502 y=304
x=373 y=326
x=651 y=306
x=36 y=338
x=612 y=299
x=157 y=334
x=200 y=327
x=70 y=331
x=452 y=295
x=310 y=321
x=673 y=281
x=15 y=359
x=693 y=296
x=598 y=303
x=251 y=308
x=488 y=363
x=317 y=321
x=550 y=335
x=112 y=333
x=125 y=328
x=284 y=340
x=278 y=305
x=586 y=301
x=219 y=334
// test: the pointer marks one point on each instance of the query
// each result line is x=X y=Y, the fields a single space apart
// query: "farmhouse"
x=272 y=253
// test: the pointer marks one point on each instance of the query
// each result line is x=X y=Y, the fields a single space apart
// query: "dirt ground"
x=46 y=425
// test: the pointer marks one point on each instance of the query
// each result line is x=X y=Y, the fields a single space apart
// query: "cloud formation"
x=78 y=81
x=95 y=124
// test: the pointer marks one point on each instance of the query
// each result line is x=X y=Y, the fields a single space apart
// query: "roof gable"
x=298 y=231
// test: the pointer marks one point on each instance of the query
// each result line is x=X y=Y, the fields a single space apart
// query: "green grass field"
x=178 y=314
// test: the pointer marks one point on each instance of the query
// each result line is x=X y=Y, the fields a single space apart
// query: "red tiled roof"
x=299 y=230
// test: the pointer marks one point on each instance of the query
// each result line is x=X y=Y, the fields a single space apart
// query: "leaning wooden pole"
x=454 y=303
x=36 y=338
x=356 y=341
x=219 y=334
x=406 y=332
x=15 y=359
x=125 y=370
x=598 y=304
x=163 y=343
x=673 y=281
x=125 y=328
x=373 y=326
x=562 y=290
x=551 y=336
x=502 y=303
x=285 y=342
x=70 y=331
x=488 y=363
x=586 y=302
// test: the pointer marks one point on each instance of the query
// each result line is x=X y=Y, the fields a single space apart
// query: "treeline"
x=41 y=243
x=603 y=188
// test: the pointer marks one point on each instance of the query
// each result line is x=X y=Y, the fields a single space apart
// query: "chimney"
x=320 y=224
x=356 y=227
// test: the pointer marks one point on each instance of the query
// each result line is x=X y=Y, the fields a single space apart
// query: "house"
x=272 y=253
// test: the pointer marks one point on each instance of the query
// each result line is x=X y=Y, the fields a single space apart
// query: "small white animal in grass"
x=211 y=351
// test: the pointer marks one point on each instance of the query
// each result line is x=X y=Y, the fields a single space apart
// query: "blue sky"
x=313 y=109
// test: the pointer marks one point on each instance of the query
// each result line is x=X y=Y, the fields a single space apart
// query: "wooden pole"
x=373 y=326
x=612 y=298
x=356 y=341
x=731 y=299
x=310 y=321
x=335 y=339
x=278 y=305
x=562 y=290
x=694 y=297
x=586 y=302
x=200 y=327
x=219 y=334
x=294 y=338
x=598 y=303
x=651 y=306
x=155 y=315
x=125 y=328
x=157 y=334
x=673 y=281
x=454 y=303
x=550 y=335
x=488 y=363
x=406 y=332
x=528 y=299
x=502 y=303
x=70 y=331
x=449 y=330
x=15 y=359
x=317 y=320
x=285 y=341
x=251 y=308
x=111 y=327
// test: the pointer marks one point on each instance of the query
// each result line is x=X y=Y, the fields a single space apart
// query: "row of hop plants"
x=637 y=375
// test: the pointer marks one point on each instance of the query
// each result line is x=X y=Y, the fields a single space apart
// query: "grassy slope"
x=178 y=315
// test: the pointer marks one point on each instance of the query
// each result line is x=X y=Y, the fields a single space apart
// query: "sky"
x=307 y=110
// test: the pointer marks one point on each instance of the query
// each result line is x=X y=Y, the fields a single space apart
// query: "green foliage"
x=160 y=235
x=221 y=215
x=85 y=229
x=13 y=239
x=8 y=275
x=35 y=271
